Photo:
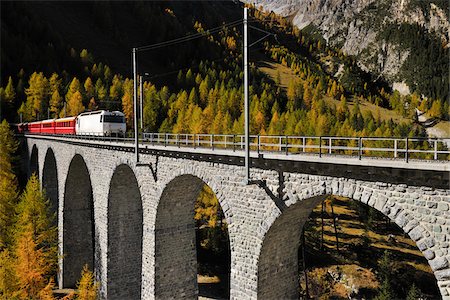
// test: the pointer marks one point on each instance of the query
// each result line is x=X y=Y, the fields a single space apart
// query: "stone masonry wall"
x=254 y=213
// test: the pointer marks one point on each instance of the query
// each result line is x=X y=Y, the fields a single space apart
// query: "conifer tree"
x=31 y=266
x=207 y=207
x=8 y=198
x=8 y=183
x=55 y=83
x=107 y=74
x=56 y=103
x=385 y=292
x=10 y=93
x=204 y=89
x=8 y=278
x=115 y=91
x=436 y=109
x=37 y=96
x=36 y=241
x=127 y=101
x=75 y=86
x=75 y=104
x=89 y=88
x=292 y=96
x=413 y=293
x=87 y=286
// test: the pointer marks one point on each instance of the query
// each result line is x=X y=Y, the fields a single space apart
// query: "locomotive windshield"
x=113 y=119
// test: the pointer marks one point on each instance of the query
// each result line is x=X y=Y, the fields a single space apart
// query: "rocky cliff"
x=359 y=27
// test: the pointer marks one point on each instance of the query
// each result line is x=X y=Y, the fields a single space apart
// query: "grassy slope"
x=285 y=74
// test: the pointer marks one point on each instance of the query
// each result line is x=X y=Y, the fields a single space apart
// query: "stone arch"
x=277 y=265
x=125 y=227
x=50 y=181
x=34 y=161
x=175 y=240
x=78 y=222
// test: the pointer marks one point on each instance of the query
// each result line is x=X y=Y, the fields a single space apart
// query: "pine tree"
x=292 y=96
x=89 y=88
x=55 y=83
x=75 y=105
x=56 y=103
x=207 y=207
x=107 y=74
x=115 y=91
x=87 y=287
x=75 y=86
x=47 y=292
x=204 y=89
x=8 y=278
x=31 y=266
x=37 y=96
x=100 y=89
x=86 y=57
x=8 y=183
x=33 y=210
x=127 y=101
x=385 y=292
x=413 y=293
x=10 y=93
x=8 y=199
x=436 y=109
x=35 y=246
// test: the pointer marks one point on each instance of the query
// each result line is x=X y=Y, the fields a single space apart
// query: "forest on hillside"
x=198 y=89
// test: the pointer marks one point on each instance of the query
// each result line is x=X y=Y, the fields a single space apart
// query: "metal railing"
x=382 y=147
x=402 y=148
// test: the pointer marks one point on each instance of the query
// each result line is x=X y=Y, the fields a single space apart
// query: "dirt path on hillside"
x=439 y=130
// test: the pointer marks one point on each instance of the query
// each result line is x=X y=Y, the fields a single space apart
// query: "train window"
x=113 y=119
x=101 y=119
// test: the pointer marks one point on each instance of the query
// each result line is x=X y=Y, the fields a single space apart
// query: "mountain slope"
x=388 y=37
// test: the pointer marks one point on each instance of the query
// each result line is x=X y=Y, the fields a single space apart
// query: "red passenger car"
x=51 y=126
x=65 y=125
x=47 y=126
x=34 y=127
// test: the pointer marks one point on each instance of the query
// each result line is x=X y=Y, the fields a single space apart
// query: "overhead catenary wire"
x=187 y=37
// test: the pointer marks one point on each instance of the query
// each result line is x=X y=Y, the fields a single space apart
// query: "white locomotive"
x=101 y=123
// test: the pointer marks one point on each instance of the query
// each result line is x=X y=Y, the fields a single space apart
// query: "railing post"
x=259 y=142
x=320 y=146
x=395 y=149
x=234 y=142
x=406 y=150
x=435 y=150
x=225 y=141
x=304 y=144
x=286 y=145
x=165 y=139
x=212 y=141
x=329 y=145
x=178 y=140
x=193 y=140
x=359 y=148
x=280 y=142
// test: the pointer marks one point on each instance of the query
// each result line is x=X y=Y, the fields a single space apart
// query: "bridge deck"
x=236 y=156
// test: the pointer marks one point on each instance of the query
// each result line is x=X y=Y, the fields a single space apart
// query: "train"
x=99 y=123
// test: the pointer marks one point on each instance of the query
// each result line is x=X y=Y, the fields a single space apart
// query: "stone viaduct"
x=133 y=223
